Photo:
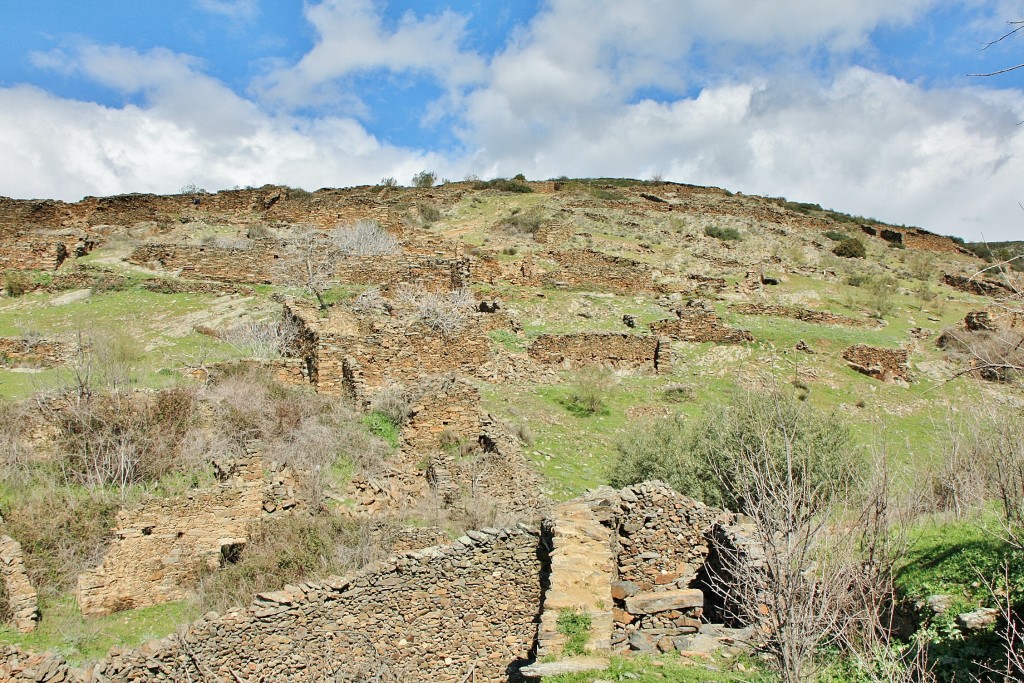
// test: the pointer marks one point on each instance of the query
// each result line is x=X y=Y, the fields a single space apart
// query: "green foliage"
x=281 y=551
x=588 y=392
x=16 y=283
x=724 y=234
x=429 y=213
x=702 y=461
x=526 y=222
x=507 y=339
x=575 y=626
x=424 y=179
x=881 y=291
x=517 y=184
x=850 y=248
x=388 y=181
x=835 y=235
x=383 y=427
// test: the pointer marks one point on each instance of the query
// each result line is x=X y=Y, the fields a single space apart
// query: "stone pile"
x=804 y=314
x=978 y=286
x=698 y=322
x=886 y=365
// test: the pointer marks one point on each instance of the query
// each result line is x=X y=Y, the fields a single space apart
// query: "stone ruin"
x=803 y=314
x=161 y=547
x=698 y=322
x=20 y=595
x=483 y=607
x=978 y=286
x=646 y=353
x=886 y=365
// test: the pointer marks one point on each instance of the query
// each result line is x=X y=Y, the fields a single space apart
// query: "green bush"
x=503 y=185
x=527 y=222
x=16 y=283
x=725 y=234
x=424 y=179
x=836 y=236
x=705 y=461
x=383 y=427
x=429 y=213
x=850 y=248
x=590 y=387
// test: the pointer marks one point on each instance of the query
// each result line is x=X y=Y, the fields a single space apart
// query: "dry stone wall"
x=26 y=352
x=161 y=546
x=698 y=322
x=978 y=286
x=446 y=614
x=804 y=314
x=882 y=364
x=21 y=596
x=607 y=349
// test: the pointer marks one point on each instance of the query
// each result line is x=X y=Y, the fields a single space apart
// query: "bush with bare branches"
x=365 y=237
x=263 y=338
x=445 y=313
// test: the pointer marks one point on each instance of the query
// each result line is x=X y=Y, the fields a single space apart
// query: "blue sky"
x=864 y=107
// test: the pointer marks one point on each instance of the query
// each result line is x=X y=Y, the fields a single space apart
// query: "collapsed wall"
x=978 y=286
x=698 y=322
x=803 y=314
x=882 y=364
x=161 y=547
x=606 y=349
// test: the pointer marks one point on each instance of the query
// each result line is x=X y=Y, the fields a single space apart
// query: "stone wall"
x=661 y=547
x=882 y=364
x=992 y=320
x=285 y=370
x=804 y=314
x=978 y=286
x=608 y=349
x=17 y=352
x=21 y=596
x=161 y=546
x=698 y=322
x=448 y=614
x=256 y=265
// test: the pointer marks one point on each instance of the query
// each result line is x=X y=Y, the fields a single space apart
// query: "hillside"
x=341 y=375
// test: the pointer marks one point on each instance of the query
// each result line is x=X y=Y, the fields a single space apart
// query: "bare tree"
x=309 y=261
x=1015 y=27
x=262 y=339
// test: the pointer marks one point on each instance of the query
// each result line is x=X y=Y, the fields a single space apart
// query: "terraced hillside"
x=376 y=370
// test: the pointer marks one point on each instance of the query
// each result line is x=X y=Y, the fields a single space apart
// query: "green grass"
x=81 y=640
x=668 y=669
x=381 y=426
x=575 y=626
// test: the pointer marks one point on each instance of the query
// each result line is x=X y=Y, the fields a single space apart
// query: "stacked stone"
x=17 y=352
x=21 y=596
x=804 y=314
x=17 y=666
x=881 y=364
x=661 y=549
x=698 y=322
x=448 y=613
x=608 y=349
x=978 y=286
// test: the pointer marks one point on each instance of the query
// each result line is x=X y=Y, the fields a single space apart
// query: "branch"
x=1001 y=71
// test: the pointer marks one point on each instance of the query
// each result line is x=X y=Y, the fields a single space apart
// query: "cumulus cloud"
x=187 y=128
x=352 y=39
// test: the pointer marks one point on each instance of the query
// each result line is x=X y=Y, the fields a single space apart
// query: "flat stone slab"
x=565 y=666
x=651 y=603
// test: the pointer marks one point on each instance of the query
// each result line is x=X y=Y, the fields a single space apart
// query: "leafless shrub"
x=262 y=339
x=120 y=438
x=225 y=242
x=443 y=313
x=16 y=453
x=363 y=238
x=993 y=354
x=371 y=301
x=259 y=231
x=394 y=402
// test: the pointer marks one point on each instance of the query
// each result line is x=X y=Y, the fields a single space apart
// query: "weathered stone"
x=651 y=603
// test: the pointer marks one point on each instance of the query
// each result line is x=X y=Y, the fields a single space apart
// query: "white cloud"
x=352 y=39
x=189 y=128
x=241 y=10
